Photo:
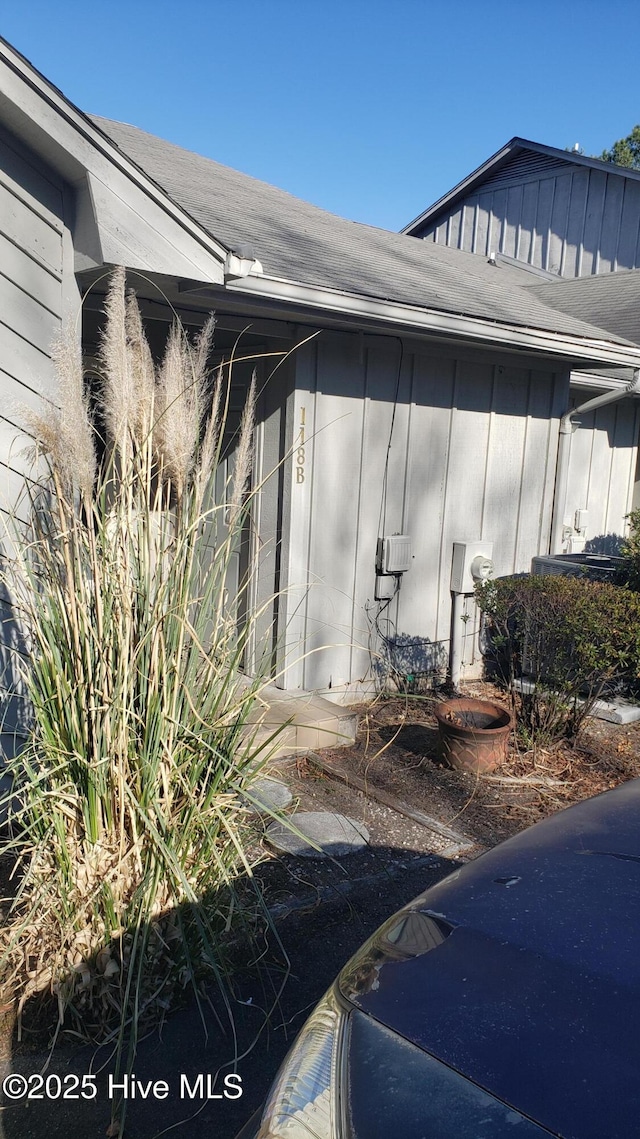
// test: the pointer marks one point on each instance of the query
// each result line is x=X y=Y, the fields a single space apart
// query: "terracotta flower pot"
x=474 y=734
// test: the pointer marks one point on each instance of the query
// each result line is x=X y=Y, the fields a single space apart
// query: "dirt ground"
x=396 y=755
x=324 y=909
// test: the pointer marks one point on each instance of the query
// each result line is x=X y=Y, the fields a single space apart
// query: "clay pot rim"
x=470 y=704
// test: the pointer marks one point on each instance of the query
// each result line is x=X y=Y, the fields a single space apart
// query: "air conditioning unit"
x=596 y=567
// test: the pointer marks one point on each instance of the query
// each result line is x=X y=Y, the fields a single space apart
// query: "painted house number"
x=300 y=451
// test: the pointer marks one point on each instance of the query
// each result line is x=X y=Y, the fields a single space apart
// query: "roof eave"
x=51 y=99
x=423 y=320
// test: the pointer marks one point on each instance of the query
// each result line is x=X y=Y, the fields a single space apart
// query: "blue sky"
x=369 y=108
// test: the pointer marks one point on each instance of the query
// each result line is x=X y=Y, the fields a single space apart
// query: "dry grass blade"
x=142 y=371
x=242 y=467
x=119 y=399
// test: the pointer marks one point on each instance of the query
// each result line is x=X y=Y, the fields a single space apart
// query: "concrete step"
x=309 y=722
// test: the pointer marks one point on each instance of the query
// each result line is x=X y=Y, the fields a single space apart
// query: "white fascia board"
x=433 y=320
x=65 y=138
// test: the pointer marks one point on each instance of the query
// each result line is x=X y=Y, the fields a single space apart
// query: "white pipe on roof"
x=568 y=424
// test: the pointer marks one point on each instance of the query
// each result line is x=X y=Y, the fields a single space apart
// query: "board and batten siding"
x=252 y=574
x=567 y=219
x=472 y=455
x=37 y=287
x=603 y=454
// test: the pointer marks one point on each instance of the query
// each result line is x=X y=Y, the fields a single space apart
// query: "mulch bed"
x=396 y=753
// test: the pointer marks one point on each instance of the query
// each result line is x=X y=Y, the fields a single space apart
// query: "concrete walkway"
x=311 y=722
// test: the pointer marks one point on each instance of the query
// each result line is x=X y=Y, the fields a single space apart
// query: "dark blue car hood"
x=522 y=970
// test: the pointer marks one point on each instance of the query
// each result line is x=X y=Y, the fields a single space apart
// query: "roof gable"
x=518 y=160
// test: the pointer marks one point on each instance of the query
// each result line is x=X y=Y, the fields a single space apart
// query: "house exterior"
x=574 y=223
x=422 y=393
x=554 y=210
x=613 y=300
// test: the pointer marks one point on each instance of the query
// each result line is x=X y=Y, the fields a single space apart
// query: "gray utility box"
x=393 y=555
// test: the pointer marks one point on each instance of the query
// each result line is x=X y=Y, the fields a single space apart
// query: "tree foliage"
x=626 y=151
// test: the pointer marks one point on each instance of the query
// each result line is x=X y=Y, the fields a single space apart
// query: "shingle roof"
x=610 y=299
x=300 y=242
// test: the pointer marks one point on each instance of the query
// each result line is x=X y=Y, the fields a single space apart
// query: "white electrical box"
x=393 y=554
x=581 y=519
x=386 y=587
x=472 y=562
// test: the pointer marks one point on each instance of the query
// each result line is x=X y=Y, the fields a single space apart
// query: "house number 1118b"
x=300 y=450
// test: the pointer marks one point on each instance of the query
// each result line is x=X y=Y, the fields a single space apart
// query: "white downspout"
x=567 y=427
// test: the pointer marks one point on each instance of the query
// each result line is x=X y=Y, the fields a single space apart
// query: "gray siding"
x=36 y=284
x=33 y=240
x=252 y=574
x=558 y=216
x=602 y=464
x=472 y=456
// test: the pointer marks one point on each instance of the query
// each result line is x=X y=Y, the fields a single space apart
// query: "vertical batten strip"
x=580 y=243
x=548 y=233
x=487 y=454
x=409 y=365
x=633 y=465
x=612 y=453
x=443 y=570
x=361 y=527
x=311 y=417
x=516 y=536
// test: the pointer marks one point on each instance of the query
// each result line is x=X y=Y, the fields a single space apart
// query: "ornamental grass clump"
x=125 y=816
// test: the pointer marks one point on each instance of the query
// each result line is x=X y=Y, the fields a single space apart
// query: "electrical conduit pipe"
x=457 y=640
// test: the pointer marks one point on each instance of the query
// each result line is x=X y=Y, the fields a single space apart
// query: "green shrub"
x=574 y=639
x=629 y=573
